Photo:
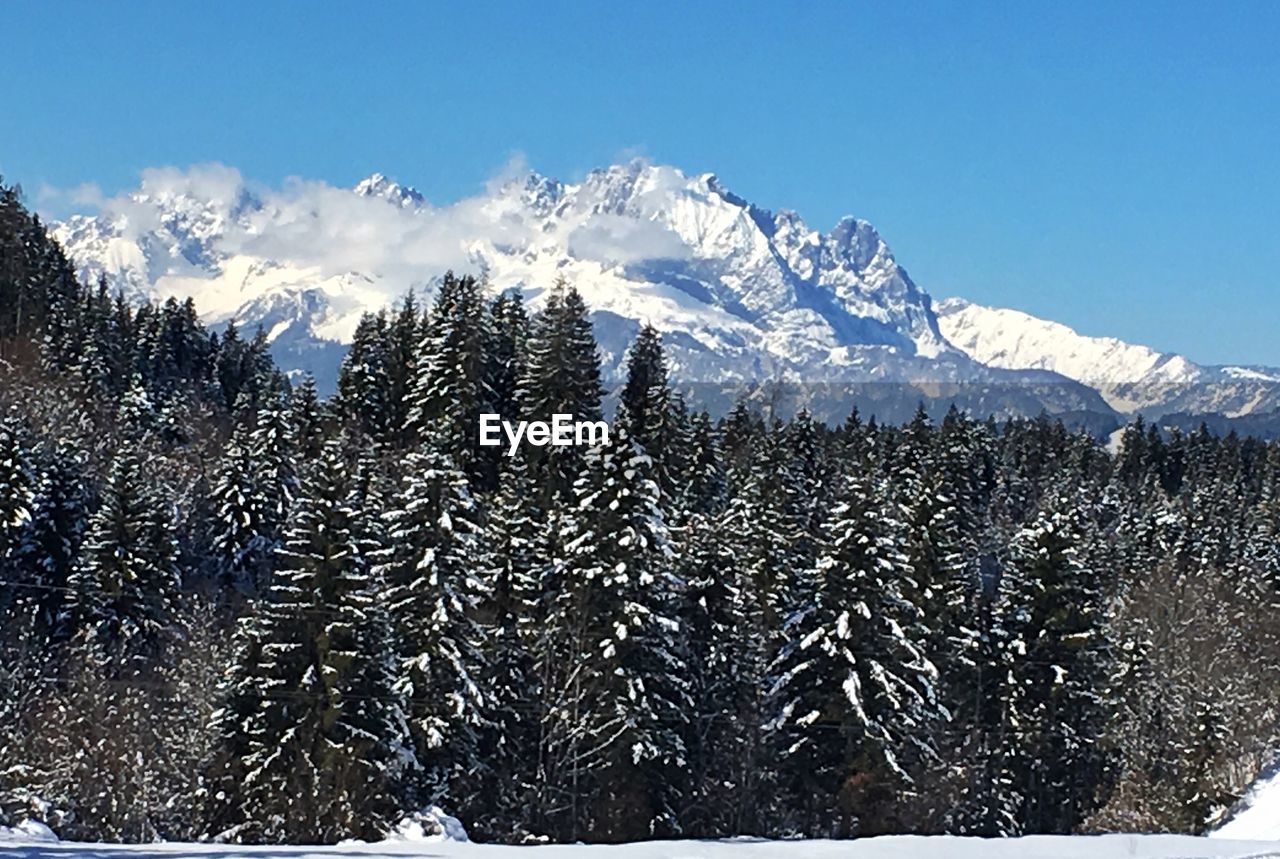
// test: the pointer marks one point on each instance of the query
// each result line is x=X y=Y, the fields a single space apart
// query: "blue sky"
x=1115 y=166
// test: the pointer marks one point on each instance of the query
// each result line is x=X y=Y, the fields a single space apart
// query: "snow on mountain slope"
x=741 y=293
x=884 y=847
x=1130 y=377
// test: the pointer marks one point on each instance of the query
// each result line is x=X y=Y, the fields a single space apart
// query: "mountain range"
x=747 y=299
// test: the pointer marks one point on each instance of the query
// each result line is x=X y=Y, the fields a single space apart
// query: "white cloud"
x=213 y=182
x=251 y=238
x=515 y=168
x=619 y=239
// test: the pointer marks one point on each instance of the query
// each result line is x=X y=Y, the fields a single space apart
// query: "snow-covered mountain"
x=1130 y=377
x=741 y=293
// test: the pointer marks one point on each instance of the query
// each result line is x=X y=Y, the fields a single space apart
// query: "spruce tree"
x=857 y=694
x=625 y=699
x=507 y=359
x=17 y=491
x=243 y=540
x=452 y=387
x=363 y=396
x=432 y=565
x=562 y=376
x=655 y=416
x=507 y=740
x=125 y=585
x=45 y=558
x=1052 y=618
x=312 y=727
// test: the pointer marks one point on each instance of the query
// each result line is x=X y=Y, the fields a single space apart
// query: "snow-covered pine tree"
x=724 y=683
x=507 y=357
x=362 y=399
x=857 y=694
x=510 y=614
x=562 y=376
x=741 y=432
x=980 y=796
x=252 y=492
x=703 y=486
x=20 y=597
x=120 y=613
x=765 y=527
x=953 y=556
x=230 y=373
x=17 y=495
x=1052 y=617
x=373 y=729
x=655 y=414
x=404 y=335
x=768 y=524
x=272 y=448
x=46 y=555
x=107 y=748
x=312 y=728
x=621 y=710
x=432 y=565
x=806 y=441
x=306 y=420
x=242 y=542
x=452 y=387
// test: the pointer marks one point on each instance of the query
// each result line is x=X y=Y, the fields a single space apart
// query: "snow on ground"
x=1258 y=815
x=888 y=847
x=28 y=831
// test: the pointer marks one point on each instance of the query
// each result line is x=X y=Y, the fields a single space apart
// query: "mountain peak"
x=1129 y=376
x=380 y=185
x=741 y=294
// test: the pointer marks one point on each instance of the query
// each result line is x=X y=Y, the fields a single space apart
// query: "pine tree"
x=404 y=334
x=766 y=529
x=17 y=492
x=857 y=692
x=306 y=421
x=1052 y=618
x=432 y=566
x=312 y=727
x=507 y=360
x=45 y=559
x=703 y=485
x=622 y=707
x=272 y=446
x=724 y=683
x=125 y=586
x=452 y=387
x=562 y=376
x=243 y=540
x=363 y=396
x=655 y=415
x=508 y=739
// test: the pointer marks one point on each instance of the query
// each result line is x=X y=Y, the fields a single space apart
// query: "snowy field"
x=889 y=847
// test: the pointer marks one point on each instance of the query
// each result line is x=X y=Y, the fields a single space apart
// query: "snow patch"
x=1257 y=816
x=27 y=832
x=430 y=826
